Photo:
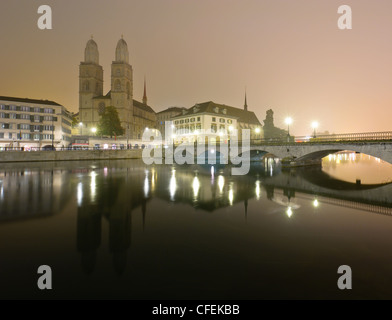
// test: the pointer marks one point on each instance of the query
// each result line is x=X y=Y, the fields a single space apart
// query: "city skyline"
x=290 y=56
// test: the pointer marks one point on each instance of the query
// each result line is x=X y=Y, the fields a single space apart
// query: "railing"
x=364 y=137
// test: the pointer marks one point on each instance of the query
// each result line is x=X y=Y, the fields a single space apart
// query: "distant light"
x=231 y=128
x=196 y=132
x=195 y=186
x=221 y=133
x=80 y=194
x=289 y=212
x=257 y=190
x=172 y=126
x=94 y=130
x=314 y=124
x=212 y=151
x=221 y=183
x=173 y=135
x=288 y=120
x=257 y=130
x=147 y=129
x=231 y=196
x=315 y=203
x=81 y=123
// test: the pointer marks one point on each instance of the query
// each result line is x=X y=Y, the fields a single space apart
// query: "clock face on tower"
x=101 y=108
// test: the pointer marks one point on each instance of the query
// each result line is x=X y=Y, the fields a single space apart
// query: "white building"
x=30 y=124
x=214 y=120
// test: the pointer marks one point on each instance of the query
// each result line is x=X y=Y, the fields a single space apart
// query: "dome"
x=91 y=54
x=122 y=54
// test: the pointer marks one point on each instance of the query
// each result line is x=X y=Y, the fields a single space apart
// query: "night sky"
x=290 y=55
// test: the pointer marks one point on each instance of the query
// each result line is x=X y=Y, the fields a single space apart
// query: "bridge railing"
x=358 y=136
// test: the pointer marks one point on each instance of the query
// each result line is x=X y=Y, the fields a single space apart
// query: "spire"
x=245 y=105
x=145 y=94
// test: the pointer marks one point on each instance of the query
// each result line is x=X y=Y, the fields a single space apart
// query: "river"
x=122 y=229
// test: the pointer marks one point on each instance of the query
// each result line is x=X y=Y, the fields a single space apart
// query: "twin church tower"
x=135 y=116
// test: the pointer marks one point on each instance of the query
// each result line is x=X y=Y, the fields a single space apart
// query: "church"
x=135 y=116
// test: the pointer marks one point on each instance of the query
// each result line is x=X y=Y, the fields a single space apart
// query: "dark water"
x=121 y=229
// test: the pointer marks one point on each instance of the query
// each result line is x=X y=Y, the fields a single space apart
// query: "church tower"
x=122 y=86
x=90 y=86
x=246 y=104
x=145 y=93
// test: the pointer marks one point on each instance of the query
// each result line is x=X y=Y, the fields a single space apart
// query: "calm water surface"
x=121 y=229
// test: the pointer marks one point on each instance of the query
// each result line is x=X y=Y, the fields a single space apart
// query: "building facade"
x=214 y=120
x=29 y=123
x=135 y=116
x=167 y=115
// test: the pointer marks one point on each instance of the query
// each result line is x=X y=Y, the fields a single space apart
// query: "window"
x=12 y=115
x=198 y=118
x=13 y=107
x=48 y=110
x=198 y=126
x=213 y=128
x=25 y=116
x=10 y=135
x=117 y=85
x=2 y=115
x=1 y=135
x=181 y=121
x=37 y=109
x=24 y=126
x=193 y=120
x=6 y=126
x=229 y=121
x=186 y=120
x=221 y=120
x=222 y=127
x=213 y=119
x=25 y=135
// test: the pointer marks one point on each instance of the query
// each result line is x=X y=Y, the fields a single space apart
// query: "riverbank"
x=69 y=155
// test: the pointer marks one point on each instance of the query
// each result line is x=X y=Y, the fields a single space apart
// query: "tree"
x=109 y=123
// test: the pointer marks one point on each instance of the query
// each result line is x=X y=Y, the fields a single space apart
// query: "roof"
x=214 y=108
x=142 y=106
x=172 y=109
x=26 y=100
x=107 y=96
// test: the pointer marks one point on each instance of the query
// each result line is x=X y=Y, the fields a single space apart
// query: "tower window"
x=86 y=86
x=117 y=85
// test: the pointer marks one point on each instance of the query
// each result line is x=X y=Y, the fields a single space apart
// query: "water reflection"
x=109 y=194
x=357 y=167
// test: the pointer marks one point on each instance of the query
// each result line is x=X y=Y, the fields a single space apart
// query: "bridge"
x=303 y=149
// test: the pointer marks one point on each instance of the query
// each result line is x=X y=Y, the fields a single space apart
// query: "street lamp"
x=94 y=130
x=288 y=121
x=80 y=127
x=314 y=126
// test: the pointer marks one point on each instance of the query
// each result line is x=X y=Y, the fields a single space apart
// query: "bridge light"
x=314 y=126
x=288 y=121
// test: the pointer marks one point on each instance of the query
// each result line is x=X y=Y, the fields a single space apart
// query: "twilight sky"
x=289 y=54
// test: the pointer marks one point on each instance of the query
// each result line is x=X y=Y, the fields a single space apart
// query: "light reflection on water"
x=352 y=167
x=190 y=231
